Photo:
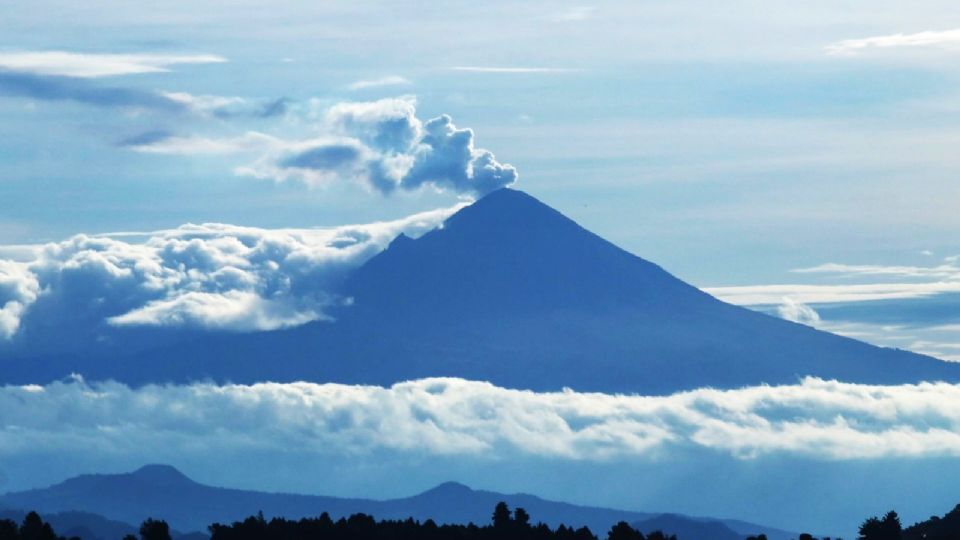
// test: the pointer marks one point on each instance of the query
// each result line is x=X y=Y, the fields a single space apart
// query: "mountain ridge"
x=128 y=498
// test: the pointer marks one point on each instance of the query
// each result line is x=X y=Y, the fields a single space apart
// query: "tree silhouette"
x=521 y=518
x=501 y=516
x=34 y=528
x=8 y=529
x=504 y=526
x=887 y=528
x=623 y=531
x=153 y=529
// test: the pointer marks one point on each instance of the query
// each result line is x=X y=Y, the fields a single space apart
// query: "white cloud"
x=389 y=80
x=850 y=47
x=947 y=270
x=207 y=276
x=445 y=416
x=187 y=145
x=797 y=312
x=205 y=103
x=575 y=13
x=233 y=309
x=505 y=69
x=918 y=282
x=92 y=65
x=753 y=295
x=18 y=289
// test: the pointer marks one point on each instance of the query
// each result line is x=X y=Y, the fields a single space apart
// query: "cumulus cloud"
x=381 y=144
x=851 y=47
x=199 y=276
x=18 y=289
x=825 y=420
x=93 y=65
x=792 y=310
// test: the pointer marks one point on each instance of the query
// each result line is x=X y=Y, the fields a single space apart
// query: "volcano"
x=510 y=291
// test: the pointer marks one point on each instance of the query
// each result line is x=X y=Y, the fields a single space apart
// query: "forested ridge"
x=504 y=525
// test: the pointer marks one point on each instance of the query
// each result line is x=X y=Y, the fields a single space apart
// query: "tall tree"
x=154 y=529
x=501 y=516
x=623 y=531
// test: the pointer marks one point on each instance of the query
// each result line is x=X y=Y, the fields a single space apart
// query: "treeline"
x=504 y=525
x=888 y=527
x=32 y=528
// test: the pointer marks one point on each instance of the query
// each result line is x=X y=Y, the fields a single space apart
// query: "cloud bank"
x=818 y=419
x=209 y=276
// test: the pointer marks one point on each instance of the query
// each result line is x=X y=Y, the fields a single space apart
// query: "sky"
x=796 y=158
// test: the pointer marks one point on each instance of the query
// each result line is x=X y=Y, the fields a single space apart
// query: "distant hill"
x=163 y=492
x=85 y=525
x=510 y=291
x=684 y=527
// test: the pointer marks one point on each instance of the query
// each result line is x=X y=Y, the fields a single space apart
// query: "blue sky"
x=800 y=159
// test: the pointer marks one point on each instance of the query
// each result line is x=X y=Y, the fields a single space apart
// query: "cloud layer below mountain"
x=818 y=419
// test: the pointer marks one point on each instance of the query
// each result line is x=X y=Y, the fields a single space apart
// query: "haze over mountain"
x=161 y=491
x=509 y=291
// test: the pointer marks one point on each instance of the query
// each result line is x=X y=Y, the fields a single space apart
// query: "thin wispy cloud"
x=914 y=282
x=508 y=69
x=164 y=142
x=947 y=270
x=752 y=295
x=851 y=47
x=912 y=307
x=80 y=90
x=92 y=65
x=390 y=80
x=574 y=13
